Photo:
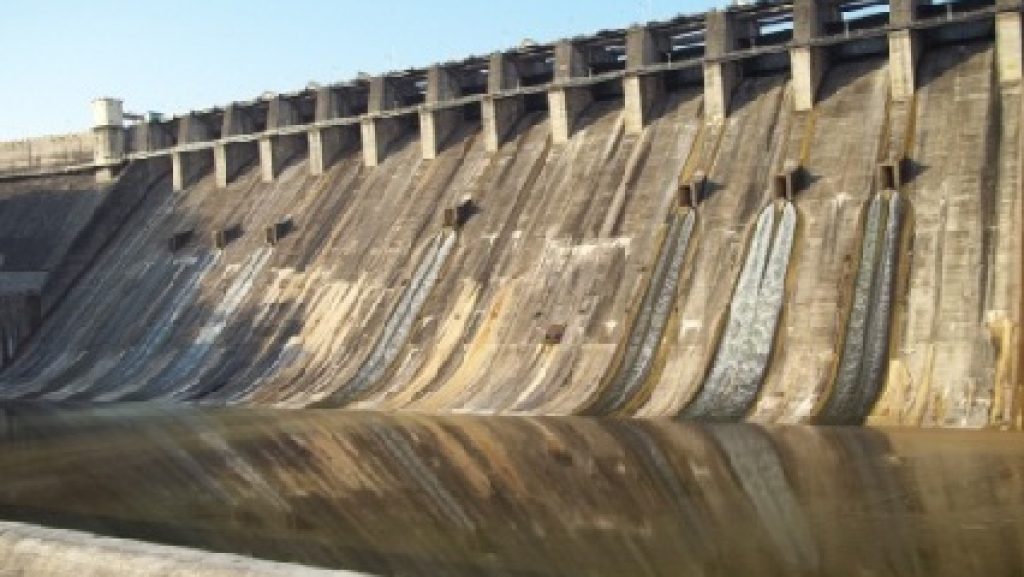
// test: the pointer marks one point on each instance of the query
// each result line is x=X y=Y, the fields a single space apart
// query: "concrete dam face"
x=825 y=229
x=580 y=308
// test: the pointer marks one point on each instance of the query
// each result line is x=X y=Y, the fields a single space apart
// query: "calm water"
x=430 y=496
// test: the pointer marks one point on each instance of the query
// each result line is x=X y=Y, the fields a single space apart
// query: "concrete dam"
x=787 y=214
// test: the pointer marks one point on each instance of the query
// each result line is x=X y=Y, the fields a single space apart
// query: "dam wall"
x=65 y=152
x=674 y=219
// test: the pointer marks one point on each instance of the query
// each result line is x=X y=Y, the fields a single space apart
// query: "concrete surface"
x=571 y=190
x=32 y=551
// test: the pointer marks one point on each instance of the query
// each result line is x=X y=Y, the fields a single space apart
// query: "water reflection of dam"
x=408 y=495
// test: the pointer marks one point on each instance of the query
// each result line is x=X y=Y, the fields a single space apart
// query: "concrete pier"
x=378 y=132
x=276 y=150
x=500 y=113
x=721 y=36
x=566 y=103
x=188 y=166
x=230 y=157
x=108 y=129
x=1008 y=41
x=150 y=136
x=641 y=90
x=808 y=63
x=904 y=50
x=327 y=143
x=437 y=124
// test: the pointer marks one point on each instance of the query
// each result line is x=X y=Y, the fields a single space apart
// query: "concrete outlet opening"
x=686 y=195
x=782 y=186
x=275 y=232
x=691 y=193
x=554 y=334
x=889 y=177
x=179 y=239
x=456 y=216
x=222 y=238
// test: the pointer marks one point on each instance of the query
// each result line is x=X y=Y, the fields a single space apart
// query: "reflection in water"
x=416 y=495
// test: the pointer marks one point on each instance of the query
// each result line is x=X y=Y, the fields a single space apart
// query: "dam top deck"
x=685 y=42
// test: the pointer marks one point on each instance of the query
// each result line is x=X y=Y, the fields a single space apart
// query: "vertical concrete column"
x=327 y=143
x=276 y=150
x=379 y=132
x=500 y=113
x=108 y=131
x=437 y=124
x=641 y=91
x=149 y=136
x=186 y=166
x=808 y=63
x=904 y=50
x=721 y=36
x=230 y=157
x=566 y=103
x=1008 y=41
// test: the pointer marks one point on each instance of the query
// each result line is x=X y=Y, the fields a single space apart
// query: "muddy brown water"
x=416 y=495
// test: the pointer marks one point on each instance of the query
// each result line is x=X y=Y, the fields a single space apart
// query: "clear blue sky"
x=57 y=55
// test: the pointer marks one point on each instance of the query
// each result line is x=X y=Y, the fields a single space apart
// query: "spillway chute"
x=735 y=379
x=649 y=327
x=865 y=350
x=400 y=321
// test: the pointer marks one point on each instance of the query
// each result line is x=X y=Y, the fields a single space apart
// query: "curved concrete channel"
x=735 y=378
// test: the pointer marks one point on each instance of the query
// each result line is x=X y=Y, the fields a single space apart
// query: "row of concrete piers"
x=715 y=50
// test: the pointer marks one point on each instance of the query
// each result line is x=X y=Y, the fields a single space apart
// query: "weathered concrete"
x=570 y=236
x=325 y=145
x=641 y=91
x=108 y=130
x=187 y=167
x=436 y=125
x=565 y=104
x=1008 y=42
x=47 y=152
x=722 y=36
x=500 y=113
x=31 y=551
x=230 y=157
x=276 y=150
x=379 y=132
x=808 y=63
x=904 y=50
